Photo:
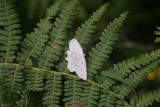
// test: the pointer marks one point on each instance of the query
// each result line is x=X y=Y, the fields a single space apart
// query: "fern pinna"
x=33 y=71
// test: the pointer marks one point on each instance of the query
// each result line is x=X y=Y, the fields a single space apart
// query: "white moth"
x=76 y=59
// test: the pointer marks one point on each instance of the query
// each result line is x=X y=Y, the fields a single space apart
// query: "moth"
x=76 y=59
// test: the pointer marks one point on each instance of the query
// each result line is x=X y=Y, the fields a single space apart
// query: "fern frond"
x=100 y=53
x=3 y=96
x=125 y=67
x=72 y=91
x=14 y=81
x=53 y=91
x=147 y=99
x=33 y=44
x=23 y=102
x=34 y=79
x=106 y=100
x=120 y=103
x=90 y=94
x=11 y=83
x=134 y=80
x=84 y=32
x=53 y=50
x=83 y=36
x=108 y=82
x=62 y=66
x=9 y=31
x=157 y=33
x=91 y=88
x=33 y=72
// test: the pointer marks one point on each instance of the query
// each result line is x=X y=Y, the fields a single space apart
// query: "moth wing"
x=81 y=70
x=76 y=59
x=75 y=46
x=71 y=67
x=70 y=61
x=81 y=73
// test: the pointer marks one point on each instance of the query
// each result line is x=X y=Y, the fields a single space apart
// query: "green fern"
x=9 y=32
x=53 y=91
x=33 y=80
x=84 y=32
x=33 y=44
x=101 y=51
x=106 y=100
x=125 y=67
x=147 y=99
x=53 y=50
x=134 y=80
x=157 y=33
x=86 y=29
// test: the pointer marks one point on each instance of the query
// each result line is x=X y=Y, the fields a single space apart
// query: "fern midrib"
x=1 y=92
x=130 y=84
x=30 y=53
x=94 y=18
x=35 y=80
x=53 y=88
x=41 y=30
x=86 y=31
x=13 y=81
x=63 y=23
x=46 y=61
x=13 y=84
x=108 y=99
x=144 y=102
x=99 y=53
x=58 y=34
x=133 y=64
x=65 y=74
x=73 y=98
x=9 y=33
x=1 y=79
x=89 y=98
x=1 y=97
x=32 y=50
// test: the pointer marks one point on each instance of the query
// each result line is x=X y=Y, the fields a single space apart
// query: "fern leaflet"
x=101 y=51
x=33 y=44
x=53 y=49
x=84 y=32
x=147 y=99
x=9 y=32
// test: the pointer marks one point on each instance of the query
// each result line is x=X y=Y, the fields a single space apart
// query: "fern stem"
x=73 y=99
x=53 y=50
x=65 y=74
x=100 y=53
x=9 y=34
x=34 y=43
x=90 y=93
